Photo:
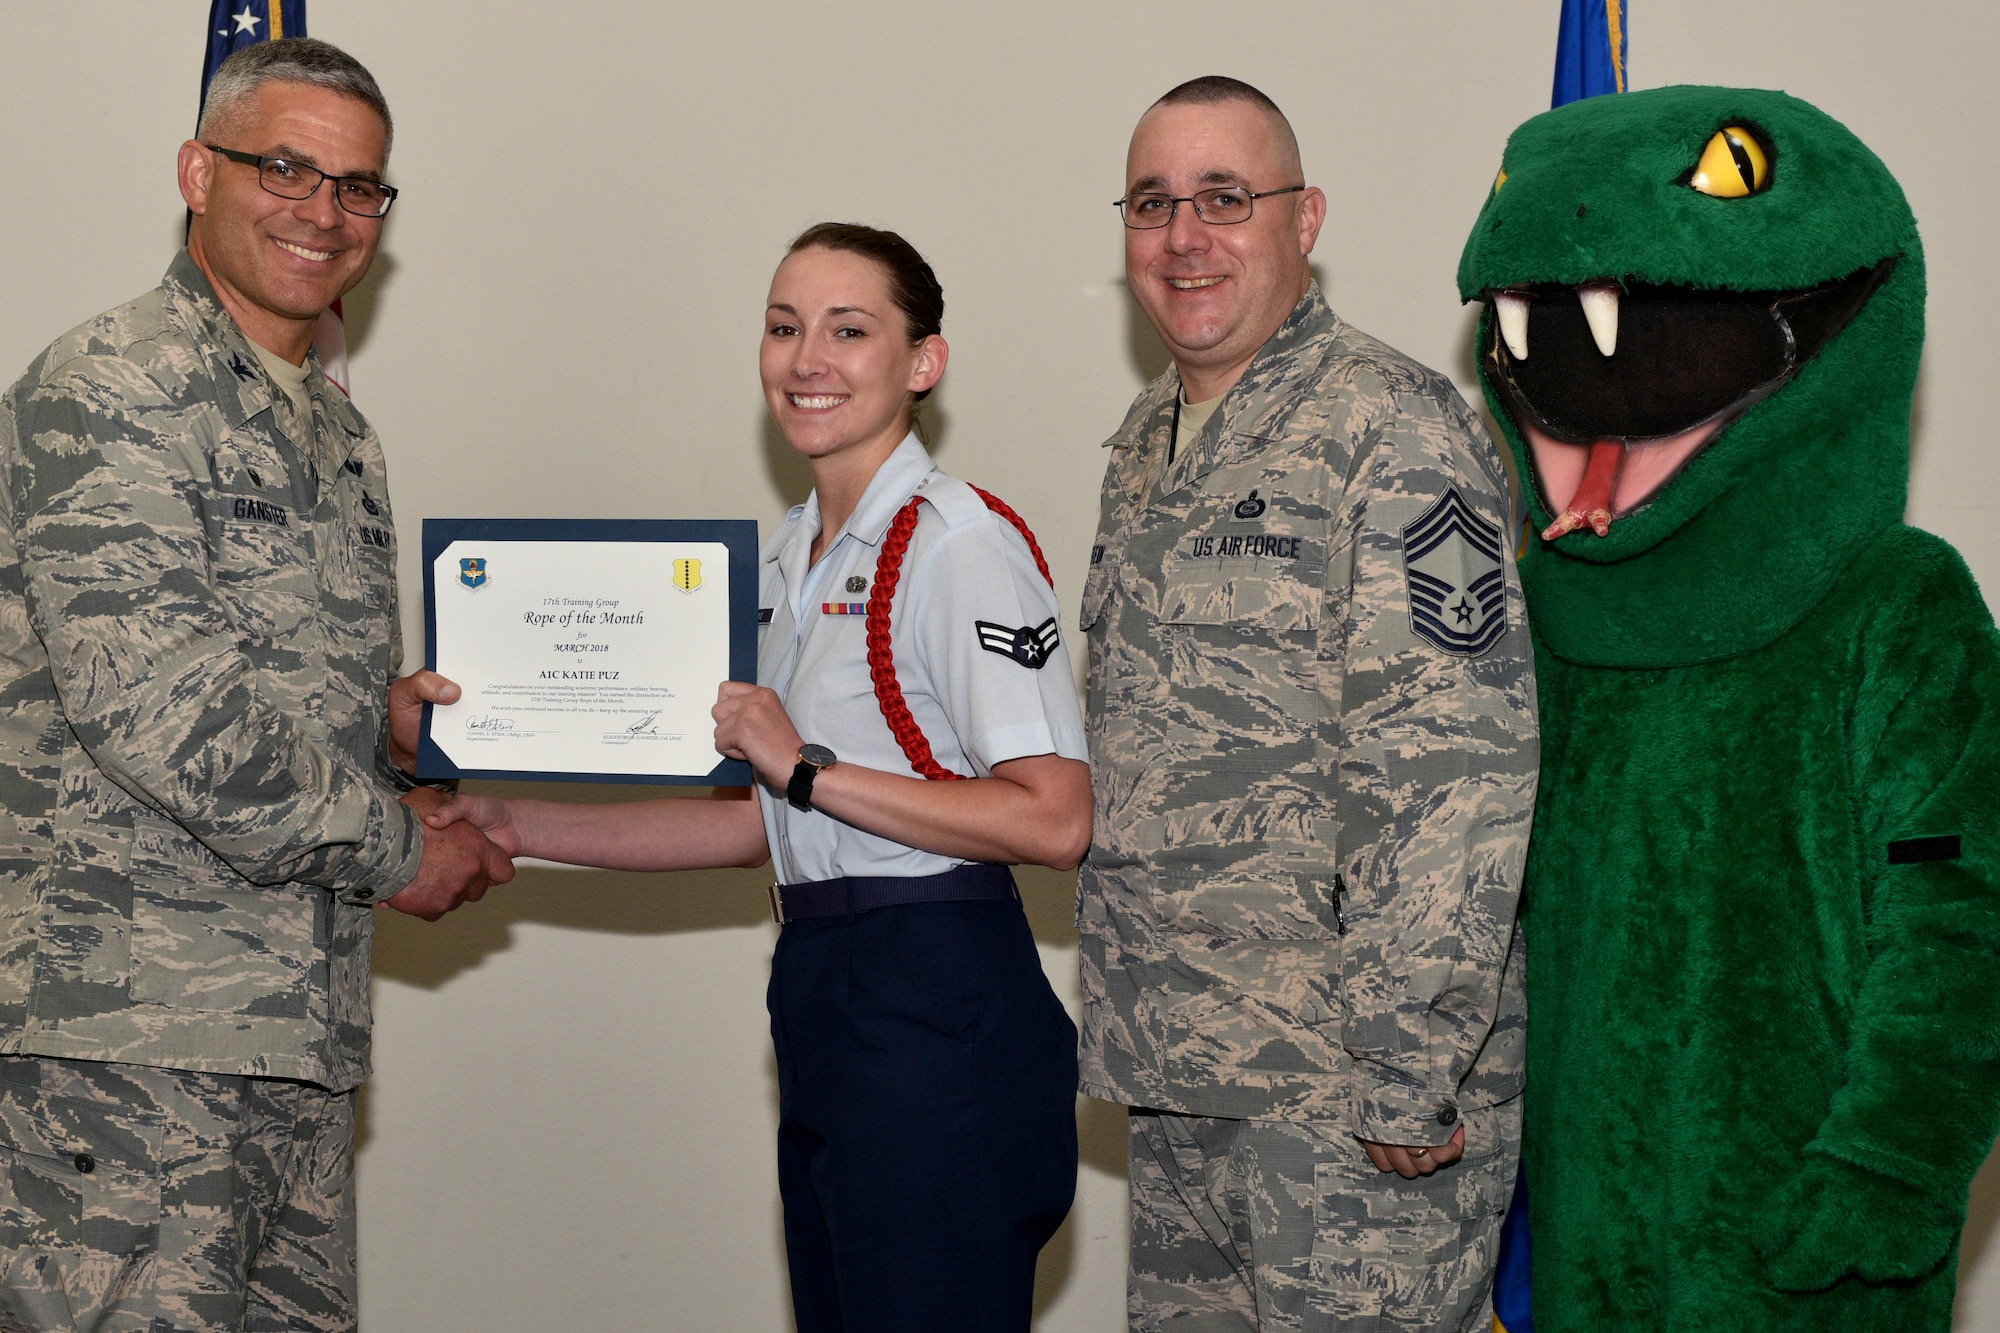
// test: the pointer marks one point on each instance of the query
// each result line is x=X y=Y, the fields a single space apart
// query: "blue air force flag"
x=1458 y=594
x=1590 y=50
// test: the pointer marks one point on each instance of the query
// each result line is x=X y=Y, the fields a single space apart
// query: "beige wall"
x=571 y=1124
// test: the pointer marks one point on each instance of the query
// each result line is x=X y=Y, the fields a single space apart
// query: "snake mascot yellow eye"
x=1732 y=165
x=1763 y=894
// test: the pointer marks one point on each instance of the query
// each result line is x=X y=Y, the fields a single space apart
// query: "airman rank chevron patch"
x=1028 y=645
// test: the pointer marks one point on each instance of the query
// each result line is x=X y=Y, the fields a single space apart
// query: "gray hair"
x=289 y=60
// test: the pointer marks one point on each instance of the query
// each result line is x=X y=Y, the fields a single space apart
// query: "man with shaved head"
x=1312 y=724
x=207 y=790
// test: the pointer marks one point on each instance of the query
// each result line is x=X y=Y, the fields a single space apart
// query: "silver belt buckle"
x=777 y=903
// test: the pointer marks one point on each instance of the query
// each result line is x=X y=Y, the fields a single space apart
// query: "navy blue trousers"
x=926 y=1117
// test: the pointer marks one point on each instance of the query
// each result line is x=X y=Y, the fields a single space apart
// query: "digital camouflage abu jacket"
x=1312 y=724
x=197 y=624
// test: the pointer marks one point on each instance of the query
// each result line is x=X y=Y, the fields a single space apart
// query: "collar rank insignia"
x=472 y=572
x=241 y=368
x=1028 y=646
x=1458 y=591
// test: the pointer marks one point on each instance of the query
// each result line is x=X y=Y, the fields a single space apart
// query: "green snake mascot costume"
x=1762 y=917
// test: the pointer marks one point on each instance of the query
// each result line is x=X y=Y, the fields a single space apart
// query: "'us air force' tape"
x=1458 y=592
x=1028 y=645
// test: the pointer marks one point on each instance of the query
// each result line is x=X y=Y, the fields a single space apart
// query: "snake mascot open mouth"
x=1762 y=916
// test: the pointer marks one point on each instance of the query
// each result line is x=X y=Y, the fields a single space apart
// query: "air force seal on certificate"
x=687 y=574
x=1458 y=590
x=472 y=572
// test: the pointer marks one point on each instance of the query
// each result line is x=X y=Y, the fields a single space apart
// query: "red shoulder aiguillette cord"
x=882 y=661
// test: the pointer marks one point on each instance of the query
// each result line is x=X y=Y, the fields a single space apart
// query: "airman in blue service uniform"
x=916 y=1043
x=916 y=730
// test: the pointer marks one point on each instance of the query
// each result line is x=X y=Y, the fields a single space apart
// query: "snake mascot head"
x=1762 y=917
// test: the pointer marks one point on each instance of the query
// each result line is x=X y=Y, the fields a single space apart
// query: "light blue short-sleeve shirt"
x=974 y=633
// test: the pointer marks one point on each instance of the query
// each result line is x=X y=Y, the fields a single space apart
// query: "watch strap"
x=799 y=790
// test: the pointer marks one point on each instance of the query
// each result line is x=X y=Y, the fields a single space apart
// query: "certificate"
x=588 y=650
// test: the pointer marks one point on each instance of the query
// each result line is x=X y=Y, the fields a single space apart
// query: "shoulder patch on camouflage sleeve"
x=1458 y=592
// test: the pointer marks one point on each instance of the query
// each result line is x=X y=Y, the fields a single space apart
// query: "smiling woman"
x=926 y=1071
x=851 y=344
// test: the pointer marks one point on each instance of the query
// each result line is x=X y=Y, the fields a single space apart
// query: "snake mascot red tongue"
x=1762 y=917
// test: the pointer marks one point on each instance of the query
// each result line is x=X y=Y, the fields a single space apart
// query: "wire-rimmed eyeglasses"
x=287 y=179
x=1144 y=210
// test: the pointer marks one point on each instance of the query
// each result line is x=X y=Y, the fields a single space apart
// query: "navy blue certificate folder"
x=578 y=689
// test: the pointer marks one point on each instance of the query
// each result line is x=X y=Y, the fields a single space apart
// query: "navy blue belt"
x=851 y=894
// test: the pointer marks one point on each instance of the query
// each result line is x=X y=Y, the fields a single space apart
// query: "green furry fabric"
x=1764 y=1051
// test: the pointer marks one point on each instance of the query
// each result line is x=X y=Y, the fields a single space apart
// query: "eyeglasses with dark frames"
x=1145 y=210
x=287 y=179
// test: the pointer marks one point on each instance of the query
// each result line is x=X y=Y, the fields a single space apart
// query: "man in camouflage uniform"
x=200 y=775
x=1312 y=724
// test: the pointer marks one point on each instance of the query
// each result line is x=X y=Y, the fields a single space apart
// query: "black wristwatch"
x=812 y=758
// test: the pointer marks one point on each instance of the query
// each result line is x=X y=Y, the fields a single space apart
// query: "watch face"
x=816 y=755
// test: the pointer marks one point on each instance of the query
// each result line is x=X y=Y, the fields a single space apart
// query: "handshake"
x=460 y=862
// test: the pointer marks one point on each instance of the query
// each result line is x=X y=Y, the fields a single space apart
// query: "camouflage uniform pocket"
x=1251 y=594
x=264 y=567
x=1401 y=1255
x=375 y=563
x=1240 y=649
x=204 y=938
x=1245 y=904
x=73 y=1177
x=1096 y=584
